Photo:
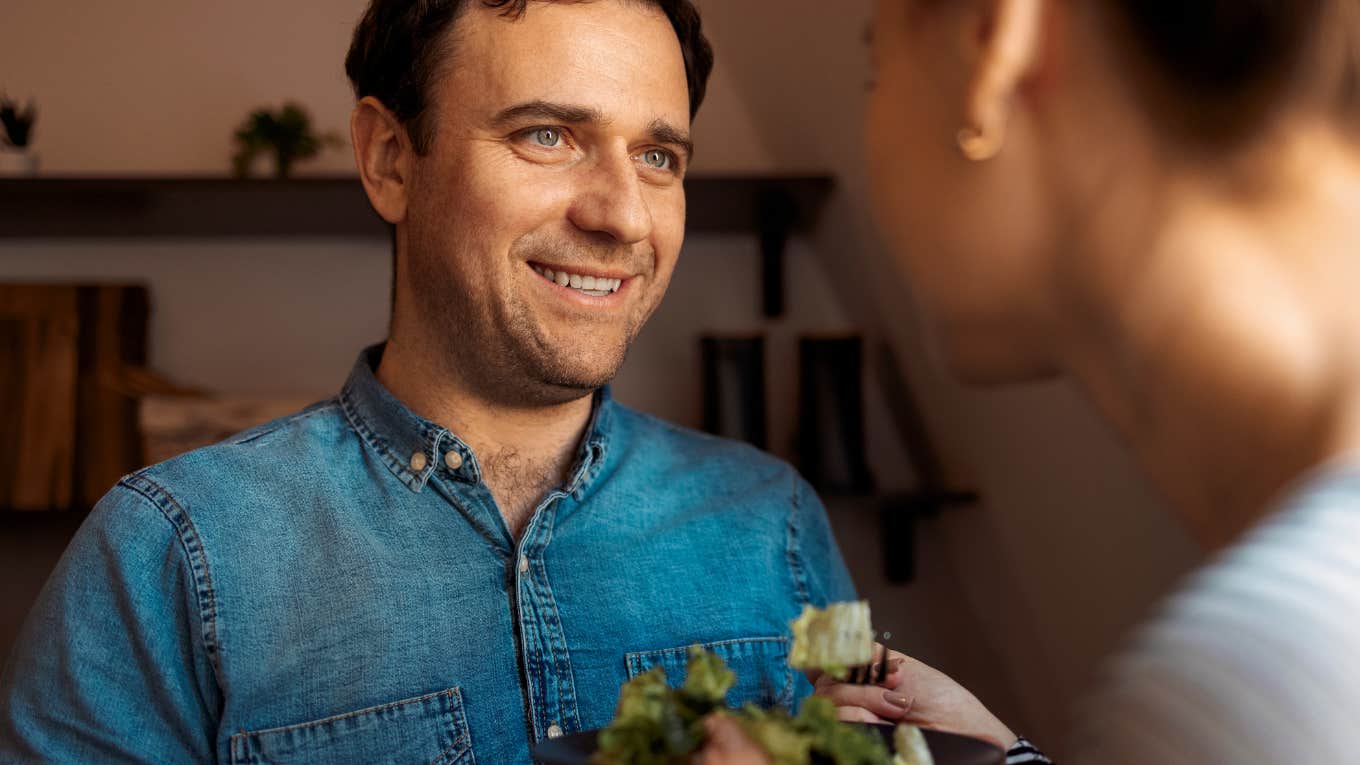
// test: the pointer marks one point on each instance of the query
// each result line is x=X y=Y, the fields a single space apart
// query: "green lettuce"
x=832 y=639
x=707 y=678
x=655 y=724
x=911 y=746
x=659 y=725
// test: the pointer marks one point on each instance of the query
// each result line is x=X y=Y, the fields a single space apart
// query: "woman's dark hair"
x=399 y=46
x=1218 y=69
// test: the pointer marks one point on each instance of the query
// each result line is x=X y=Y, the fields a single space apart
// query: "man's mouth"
x=594 y=286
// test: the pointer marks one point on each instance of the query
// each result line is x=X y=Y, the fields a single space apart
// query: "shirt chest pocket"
x=430 y=729
x=761 y=665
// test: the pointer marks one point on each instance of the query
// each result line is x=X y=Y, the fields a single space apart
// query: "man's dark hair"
x=399 y=46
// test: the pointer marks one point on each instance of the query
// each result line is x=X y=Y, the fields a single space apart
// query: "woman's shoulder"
x=1254 y=659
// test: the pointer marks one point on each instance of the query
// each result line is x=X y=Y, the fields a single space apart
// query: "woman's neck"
x=1223 y=340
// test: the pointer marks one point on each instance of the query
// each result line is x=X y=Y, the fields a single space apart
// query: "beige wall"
x=158 y=86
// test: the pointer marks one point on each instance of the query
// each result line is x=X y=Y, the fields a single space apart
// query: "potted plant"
x=16 y=136
x=287 y=135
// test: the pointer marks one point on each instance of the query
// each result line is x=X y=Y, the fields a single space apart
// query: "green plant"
x=18 y=122
x=286 y=133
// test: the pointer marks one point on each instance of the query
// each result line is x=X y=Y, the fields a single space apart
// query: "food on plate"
x=659 y=725
x=655 y=724
x=813 y=736
x=911 y=746
x=832 y=639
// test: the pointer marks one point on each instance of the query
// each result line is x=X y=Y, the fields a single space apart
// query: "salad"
x=659 y=725
x=832 y=639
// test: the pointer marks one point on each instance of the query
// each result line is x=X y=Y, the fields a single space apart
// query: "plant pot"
x=18 y=164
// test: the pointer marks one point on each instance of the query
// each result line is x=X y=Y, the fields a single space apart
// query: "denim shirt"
x=339 y=586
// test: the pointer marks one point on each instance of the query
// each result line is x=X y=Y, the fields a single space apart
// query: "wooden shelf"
x=189 y=207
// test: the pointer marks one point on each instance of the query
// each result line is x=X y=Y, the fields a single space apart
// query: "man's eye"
x=657 y=159
x=547 y=137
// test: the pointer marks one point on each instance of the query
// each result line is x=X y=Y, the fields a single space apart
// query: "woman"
x=1160 y=198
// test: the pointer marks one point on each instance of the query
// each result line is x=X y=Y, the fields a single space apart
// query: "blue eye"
x=657 y=159
x=546 y=137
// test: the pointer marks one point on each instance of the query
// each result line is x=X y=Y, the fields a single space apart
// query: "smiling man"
x=471 y=547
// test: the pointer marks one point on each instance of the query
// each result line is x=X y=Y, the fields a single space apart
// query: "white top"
x=1257 y=659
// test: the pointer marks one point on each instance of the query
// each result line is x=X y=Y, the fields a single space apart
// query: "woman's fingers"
x=857 y=715
x=883 y=703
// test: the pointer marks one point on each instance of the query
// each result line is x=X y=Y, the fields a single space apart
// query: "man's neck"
x=524 y=451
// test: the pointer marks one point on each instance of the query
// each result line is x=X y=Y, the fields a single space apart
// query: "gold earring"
x=978 y=144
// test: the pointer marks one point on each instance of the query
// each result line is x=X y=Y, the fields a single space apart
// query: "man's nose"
x=611 y=201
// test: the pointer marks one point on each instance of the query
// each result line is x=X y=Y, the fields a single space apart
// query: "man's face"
x=545 y=221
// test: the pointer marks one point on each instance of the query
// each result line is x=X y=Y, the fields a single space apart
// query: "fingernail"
x=897 y=700
x=894 y=665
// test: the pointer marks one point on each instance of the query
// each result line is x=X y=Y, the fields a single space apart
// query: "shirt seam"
x=191 y=545
x=547 y=612
x=375 y=441
x=657 y=652
x=321 y=407
x=797 y=569
x=451 y=693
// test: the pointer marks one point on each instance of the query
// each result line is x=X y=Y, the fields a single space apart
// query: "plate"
x=946 y=748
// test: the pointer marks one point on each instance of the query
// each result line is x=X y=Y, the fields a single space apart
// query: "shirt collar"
x=415 y=449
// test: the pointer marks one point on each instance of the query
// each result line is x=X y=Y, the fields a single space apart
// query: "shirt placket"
x=546 y=661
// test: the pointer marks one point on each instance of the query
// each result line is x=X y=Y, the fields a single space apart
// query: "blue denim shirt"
x=313 y=591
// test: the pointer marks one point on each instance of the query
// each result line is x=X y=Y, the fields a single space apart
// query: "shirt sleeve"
x=818 y=565
x=110 y=664
x=1023 y=752
x=1253 y=659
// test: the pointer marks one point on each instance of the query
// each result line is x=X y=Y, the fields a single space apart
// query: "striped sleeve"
x=1254 y=661
x=1022 y=751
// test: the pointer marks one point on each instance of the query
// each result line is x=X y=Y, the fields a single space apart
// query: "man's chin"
x=564 y=380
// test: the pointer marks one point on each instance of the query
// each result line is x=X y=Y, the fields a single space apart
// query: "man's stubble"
x=499 y=349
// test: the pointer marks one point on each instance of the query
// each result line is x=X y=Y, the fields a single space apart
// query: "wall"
x=158 y=86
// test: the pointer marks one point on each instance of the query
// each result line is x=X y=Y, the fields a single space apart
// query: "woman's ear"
x=384 y=154
x=1006 y=45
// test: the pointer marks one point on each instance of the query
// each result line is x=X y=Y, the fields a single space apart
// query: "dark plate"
x=947 y=748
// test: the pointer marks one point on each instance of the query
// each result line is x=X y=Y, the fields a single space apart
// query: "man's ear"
x=1005 y=44
x=384 y=154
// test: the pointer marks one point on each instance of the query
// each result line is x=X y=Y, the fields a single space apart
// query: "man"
x=471 y=547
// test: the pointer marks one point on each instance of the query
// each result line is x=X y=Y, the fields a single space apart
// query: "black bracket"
x=901 y=512
x=778 y=216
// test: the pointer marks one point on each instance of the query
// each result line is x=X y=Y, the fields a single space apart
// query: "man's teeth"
x=593 y=286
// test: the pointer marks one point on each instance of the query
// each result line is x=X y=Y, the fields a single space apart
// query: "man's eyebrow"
x=549 y=112
x=664 y=132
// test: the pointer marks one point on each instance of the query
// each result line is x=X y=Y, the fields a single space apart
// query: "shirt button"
x=523 y=564
x=418 y=462
x=554 y=731
x=454 y=460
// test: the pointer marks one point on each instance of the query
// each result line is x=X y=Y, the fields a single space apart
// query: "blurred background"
x=148 y=301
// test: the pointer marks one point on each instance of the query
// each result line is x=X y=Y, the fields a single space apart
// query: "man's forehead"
x=618 y=57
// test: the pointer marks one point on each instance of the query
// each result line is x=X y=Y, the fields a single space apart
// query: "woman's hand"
x=914 y=692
